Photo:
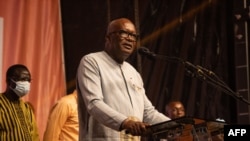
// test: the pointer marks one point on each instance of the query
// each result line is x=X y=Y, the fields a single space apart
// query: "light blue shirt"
x=109 y=93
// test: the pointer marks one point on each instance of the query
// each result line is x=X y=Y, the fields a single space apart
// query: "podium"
x=187 y=129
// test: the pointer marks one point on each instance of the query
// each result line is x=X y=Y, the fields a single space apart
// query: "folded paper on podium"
x=188 y=129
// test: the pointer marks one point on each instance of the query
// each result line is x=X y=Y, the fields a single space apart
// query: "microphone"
x=145 y=51
x=196 y=70
x=206 y=70
x=151 y=55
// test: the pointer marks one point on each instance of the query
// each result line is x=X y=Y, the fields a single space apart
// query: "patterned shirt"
x=17 y=121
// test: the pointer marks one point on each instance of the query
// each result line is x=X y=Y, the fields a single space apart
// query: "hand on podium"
x=134 y=126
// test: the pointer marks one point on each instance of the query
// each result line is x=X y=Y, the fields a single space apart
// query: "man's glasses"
x=125 y=34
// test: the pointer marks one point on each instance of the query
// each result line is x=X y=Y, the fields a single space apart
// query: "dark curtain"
x=197 y=31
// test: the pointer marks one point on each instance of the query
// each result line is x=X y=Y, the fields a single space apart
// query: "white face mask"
x=22 y=88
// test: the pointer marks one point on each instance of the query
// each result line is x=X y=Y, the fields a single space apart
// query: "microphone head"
x=145 y=51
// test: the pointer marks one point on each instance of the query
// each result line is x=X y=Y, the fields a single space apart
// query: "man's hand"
x=135 y=127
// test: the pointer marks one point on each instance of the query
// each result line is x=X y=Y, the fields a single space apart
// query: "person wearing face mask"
x=17 y=120
x=112 y=103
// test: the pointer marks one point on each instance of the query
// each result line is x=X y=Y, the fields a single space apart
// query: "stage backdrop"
x=31 y=35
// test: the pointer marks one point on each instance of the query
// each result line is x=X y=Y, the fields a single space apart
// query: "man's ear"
x=107 y=38
x=9 y=81
x=12 y=84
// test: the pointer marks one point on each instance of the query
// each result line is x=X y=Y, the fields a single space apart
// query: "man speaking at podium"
x=112 y=102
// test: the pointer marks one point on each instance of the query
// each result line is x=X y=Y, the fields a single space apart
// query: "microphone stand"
x=203 y=74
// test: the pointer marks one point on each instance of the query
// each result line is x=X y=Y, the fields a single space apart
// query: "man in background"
x=62 y=123
x=17 y=120
x=175 y=109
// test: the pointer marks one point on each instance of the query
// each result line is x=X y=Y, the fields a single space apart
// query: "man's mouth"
x=128 y=46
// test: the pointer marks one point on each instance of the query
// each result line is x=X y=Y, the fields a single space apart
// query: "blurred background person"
x=174 y=109
x=17 y=120
x=62 y=124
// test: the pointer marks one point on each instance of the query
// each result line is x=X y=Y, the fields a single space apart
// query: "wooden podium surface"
x=188 y=129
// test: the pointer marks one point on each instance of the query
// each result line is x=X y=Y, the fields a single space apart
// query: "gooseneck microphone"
x=192 y=69
x=195 y=71
x=145 y=51
x=151 y=55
